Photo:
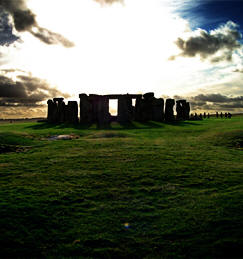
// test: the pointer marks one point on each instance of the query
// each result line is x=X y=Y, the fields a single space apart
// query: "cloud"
x=214 y=102
x=25 y=91
x=216 y=45
x=108 y=1
x=25 y=20
x=6 y=30
x=238 y=70
x=50 y=37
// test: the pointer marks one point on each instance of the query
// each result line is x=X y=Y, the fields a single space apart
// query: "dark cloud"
x=238 y=70
x=25 y=91
x=50 y=37
x=217 y=45
x=214 y=102
x=24 y=20
x=6 y=30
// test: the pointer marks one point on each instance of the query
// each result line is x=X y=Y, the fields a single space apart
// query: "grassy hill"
x=149 y=190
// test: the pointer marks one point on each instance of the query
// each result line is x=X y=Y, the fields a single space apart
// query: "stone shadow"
x=113 y=126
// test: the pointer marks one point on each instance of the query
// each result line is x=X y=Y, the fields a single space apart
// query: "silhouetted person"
x=195 y=116
x=229 y=115
x=221 y=115
x=200 y=116
x=217 y=114
x=208 y=115
x=226 y=115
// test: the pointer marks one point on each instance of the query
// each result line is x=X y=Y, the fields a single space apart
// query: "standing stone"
x=94 y=100
x=148 y=100
x=50 y=111
x=169 y=110
x=138 y=109
x=103 y=116
x=60 y=113
x=72 y=112
x=125 y=109
x=85 y=109
x=179 y=110
x=158 y=109
x=55 y=111
x=188 y=109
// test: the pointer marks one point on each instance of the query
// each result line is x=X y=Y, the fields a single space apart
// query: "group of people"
x=204 y=115
x=226 y=115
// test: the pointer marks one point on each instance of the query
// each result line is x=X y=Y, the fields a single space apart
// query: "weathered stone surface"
x=169 y=109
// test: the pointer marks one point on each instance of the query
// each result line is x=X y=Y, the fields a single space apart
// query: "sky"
x=190 y=49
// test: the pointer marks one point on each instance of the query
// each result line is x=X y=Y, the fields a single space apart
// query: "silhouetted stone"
x=85 y=109
x=72 y=112
x=204 y=115
x=182 y=109
x=217 y=114
x=179 y=110
x=59 y=110
x=51 y=111
x=208 y=115
x=103 y=115
x=187 y=112
x=95 y=109
x=148 y=96
x=125 y=109
x=169 y=110
x=157 y=109
x=138 y=109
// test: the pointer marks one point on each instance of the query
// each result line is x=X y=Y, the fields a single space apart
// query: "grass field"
x=149 y=190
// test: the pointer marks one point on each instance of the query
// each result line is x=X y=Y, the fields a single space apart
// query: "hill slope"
x=143 y=190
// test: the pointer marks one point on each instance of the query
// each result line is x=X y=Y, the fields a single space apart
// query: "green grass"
x=179 y=186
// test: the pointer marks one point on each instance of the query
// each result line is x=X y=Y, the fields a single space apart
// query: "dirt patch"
x=12 y=148
x=63 y=137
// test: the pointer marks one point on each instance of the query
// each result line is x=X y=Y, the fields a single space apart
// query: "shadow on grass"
x=112 y=126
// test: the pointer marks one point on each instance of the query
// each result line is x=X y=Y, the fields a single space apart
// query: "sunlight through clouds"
x=119 y=48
